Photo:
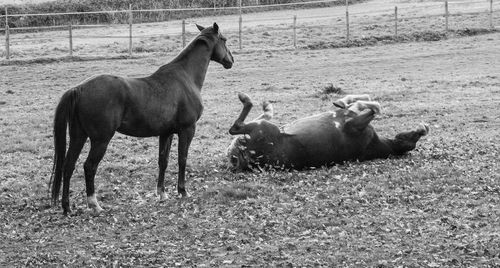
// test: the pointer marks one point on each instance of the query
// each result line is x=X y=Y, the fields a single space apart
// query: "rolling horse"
x=165 y=103
x=319 y=140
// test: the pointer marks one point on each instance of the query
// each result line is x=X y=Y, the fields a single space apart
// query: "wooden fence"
x=130 y=12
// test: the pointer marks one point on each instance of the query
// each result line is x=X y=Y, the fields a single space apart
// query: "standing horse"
x=162 y=104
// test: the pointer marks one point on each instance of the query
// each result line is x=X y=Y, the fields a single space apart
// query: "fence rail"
x=394 y=15
x=240 y=7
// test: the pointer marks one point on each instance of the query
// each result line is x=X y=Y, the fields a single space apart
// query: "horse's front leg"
x=185 y=138
x=164 y=151
x=359 y=123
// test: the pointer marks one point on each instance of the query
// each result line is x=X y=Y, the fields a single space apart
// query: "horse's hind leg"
x=185 y=138
x=165 y=144
x=97 y=150
x=76 y=142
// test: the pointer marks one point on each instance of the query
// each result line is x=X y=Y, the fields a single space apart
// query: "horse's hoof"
x=184 y=194
x=93 y=204
x=340 y=104
x=376 y=108
x=423 y=129
x=66 y=209
x=97 y=211
x=244 y=98
x=66 y=212
x=163 y=196
x=266 y=106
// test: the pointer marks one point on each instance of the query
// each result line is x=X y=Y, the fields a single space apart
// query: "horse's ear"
x=216 y=27
x=201 y=28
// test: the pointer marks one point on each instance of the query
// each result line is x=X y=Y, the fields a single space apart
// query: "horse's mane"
x=203 y=37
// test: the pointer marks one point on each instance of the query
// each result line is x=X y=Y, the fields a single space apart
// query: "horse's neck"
x=194 y=59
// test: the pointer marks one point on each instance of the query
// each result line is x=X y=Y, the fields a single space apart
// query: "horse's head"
x=220 y=52
x=256 y=145
x=407 y=141
x=259 y=136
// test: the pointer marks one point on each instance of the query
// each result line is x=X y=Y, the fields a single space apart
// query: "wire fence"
x=289 y=29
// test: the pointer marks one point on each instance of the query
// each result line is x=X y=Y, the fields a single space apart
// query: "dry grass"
x=436 y=207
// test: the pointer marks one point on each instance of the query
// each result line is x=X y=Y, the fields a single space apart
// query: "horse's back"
x=140 y=107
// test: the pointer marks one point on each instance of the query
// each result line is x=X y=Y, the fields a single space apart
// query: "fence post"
x=240 y=22
x=446 y=14
x=7 y=37
x=295 y=31
x=183 y=33
x=491 y=14
x=347 y=19
x=70 y=28
x=396 y=21
x=130 y=21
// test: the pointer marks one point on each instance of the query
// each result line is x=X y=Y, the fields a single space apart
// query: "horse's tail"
x=63 y=116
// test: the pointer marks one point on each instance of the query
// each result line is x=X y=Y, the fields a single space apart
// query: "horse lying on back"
x=315 y=141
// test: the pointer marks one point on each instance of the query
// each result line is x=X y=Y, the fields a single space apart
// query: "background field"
x=435 y=207
x=370 y=23
x=116 y=11
x=20 y=2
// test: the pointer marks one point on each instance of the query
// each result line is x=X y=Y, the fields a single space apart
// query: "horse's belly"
x=325 y=149
x=139 y=126
x=136 y=132
x=320 y=140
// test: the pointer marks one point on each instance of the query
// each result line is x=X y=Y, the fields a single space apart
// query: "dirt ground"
x=435 y=207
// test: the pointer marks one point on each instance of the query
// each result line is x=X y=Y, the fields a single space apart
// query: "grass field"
x=436 y=207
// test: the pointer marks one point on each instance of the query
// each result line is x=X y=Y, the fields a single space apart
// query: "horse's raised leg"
x=76 y=143
x=359 y=106
x=185 y=138
x=164 y=151
x=358 y=123
x=239 y=126
x=268 y=110
x=97 y=150
x=345 y=101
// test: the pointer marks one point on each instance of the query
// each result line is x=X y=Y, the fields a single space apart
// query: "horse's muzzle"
x=227 y=64
x=228 y=60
